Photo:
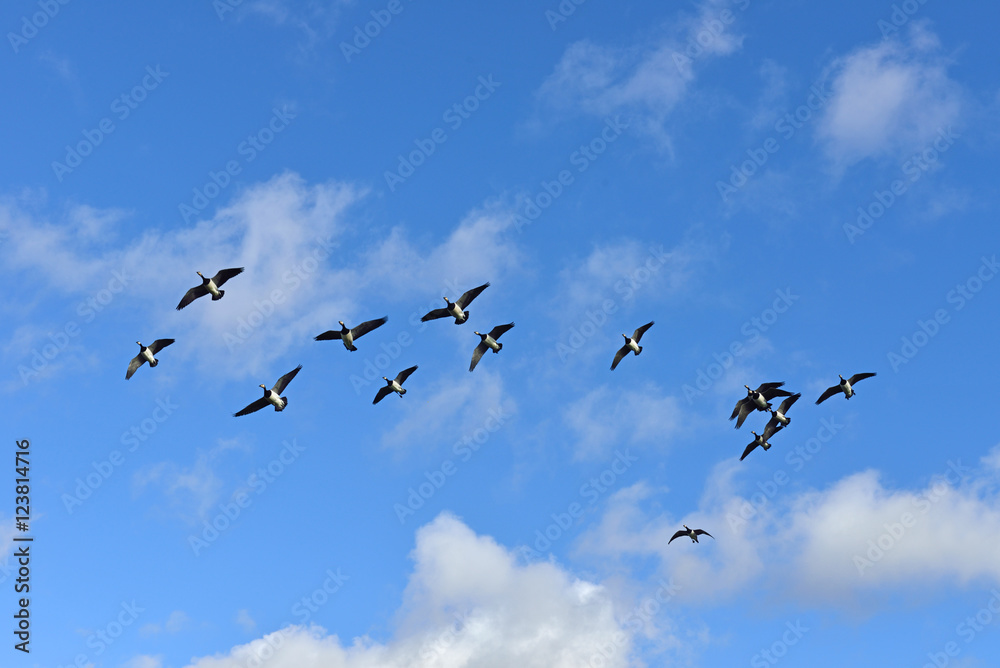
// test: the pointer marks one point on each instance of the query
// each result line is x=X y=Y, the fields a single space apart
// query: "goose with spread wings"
x=489 y=341
x=209 y=286
x=761 y=439
x=631 y=344
x=456 y=309
x=394 y=385
x=348 y=336
x=272 y=396
x=845 y=387
x=690 y=533
x=146 y=355
x=779 y=416
x=758 y=399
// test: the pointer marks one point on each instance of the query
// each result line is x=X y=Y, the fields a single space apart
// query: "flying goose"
x=631 y=344
x=690 y=533
x=146 y=355
x=489 y=341
x=779 y=415
x=272 y=396
x=761 y=440
x=757 y=399
x=844 y=386
x=349 y=335
x=209 y=286
x=395 y=385
x=455 y=310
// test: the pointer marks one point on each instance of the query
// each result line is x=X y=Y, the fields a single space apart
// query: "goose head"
x=842 y=381
x=686 y=527
x=140 y=344
x=262 y=385
x=386 y=379
x=200 y=274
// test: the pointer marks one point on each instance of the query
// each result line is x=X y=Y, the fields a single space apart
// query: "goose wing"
x=469 y=295
x=159 y=344
x=136 y=362
x=477 y=354
x=329 y=335
x=677 y=535
x=368 y=326
x=750 y=448
x=404 y=374
x=382 y=392
x=739 y=405
x=743 y=408
x=637 y=334
x=253 y=408
x=830 y=391
x=768 y=386
x=859 y=376
x=497 y=331
x=702 y=532
x=772 y=392
x=191 y=295
x=787 y=403
x=283 y=382
x=622 y=352
x=770 y=430
x=225 y=274
x=435 y=314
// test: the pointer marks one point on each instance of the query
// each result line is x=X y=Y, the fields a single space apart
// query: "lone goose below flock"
x=146 y=355
x=272 y=396
x=631 y=344
x=489 y=341
x=348 y=336
x=394 y=385
x=209 y=286
x=690 y=533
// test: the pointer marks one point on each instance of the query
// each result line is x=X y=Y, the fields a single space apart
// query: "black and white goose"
x=846 y=387
x=272 y=396
x=758 y=399
x=394 y=385
x=348 y=336
x=761 y=440
x=456 y=309
x=209 y=286
x=690 y=533
x=489 y=341
x=631 y=344
x=779 y=416
x=146 y=355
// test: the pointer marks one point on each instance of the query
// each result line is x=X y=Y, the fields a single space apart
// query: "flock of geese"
x=756 y=400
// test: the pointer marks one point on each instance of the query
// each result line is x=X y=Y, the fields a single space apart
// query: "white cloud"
x=468 y=603
x=245 y=621
x=605 y=419
x=889 y=99
x=145 y=661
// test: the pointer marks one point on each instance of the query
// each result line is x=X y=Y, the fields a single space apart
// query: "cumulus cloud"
x=889 y=99
x=469 y=603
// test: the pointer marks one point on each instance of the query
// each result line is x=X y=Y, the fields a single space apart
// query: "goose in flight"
x=845 y=386
x=778 y=416
x=758 y=399
x=349 y=335
x=146 y=355
x=272 y=396
x=761 y=440
x=456 y=309
x=690 y=533
x=631 y=344
x=394 y=385
x=209 y=286
x=489 y=341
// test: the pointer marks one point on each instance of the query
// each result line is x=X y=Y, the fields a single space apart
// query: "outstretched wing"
x=749 y=449
x=736 y=409
x=770 y=430
x=743 y=408
x=768 y=386
x=191 y=295
x=830 y=391
x=368 y=326
x=637 y=334
x=772 y=392
x=136 y=362
x=469 y=295
x=702 y=532
x=619 y=356
x=497 y=331
x=677 y=535
x=283 y=382
x=254 y=407
x=329 y=335
x=859 y=376
x=225 y=274
x=477 y=354
x=382 y=392
x=435 y=314
x=404 y=374
x=787 y=403
x=159 y=344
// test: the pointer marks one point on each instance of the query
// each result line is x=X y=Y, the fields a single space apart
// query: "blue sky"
x=790 y=193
